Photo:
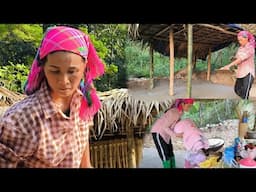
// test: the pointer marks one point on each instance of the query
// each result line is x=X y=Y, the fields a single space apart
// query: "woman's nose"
x=63 y=79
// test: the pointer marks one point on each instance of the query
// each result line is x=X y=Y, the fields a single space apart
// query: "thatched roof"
x=120 y=112
x=249 y=27
x=205 y=37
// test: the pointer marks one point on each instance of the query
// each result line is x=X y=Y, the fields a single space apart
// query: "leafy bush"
x=13 y=77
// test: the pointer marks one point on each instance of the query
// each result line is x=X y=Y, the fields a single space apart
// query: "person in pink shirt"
x=244 y=60
x=194 y=141
x=50 y=127
x=162 y=130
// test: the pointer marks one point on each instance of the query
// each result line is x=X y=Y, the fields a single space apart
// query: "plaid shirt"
x=36 y=133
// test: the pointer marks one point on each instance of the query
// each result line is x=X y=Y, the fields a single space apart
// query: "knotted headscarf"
x=250 y=36
x=178 y=102
x=63 y=38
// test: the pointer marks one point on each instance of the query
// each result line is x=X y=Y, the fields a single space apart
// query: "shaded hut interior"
x=205 y=37
x=191 y=41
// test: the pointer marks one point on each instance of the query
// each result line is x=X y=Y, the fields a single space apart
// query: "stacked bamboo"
x=114 y=153
x=109 y=154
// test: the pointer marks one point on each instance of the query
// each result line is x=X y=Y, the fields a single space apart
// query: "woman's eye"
x=72 y=71
x=54 y=72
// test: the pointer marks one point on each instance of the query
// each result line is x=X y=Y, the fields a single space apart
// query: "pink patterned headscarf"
x=179 y=101
x=63 y=38
x=247 y=34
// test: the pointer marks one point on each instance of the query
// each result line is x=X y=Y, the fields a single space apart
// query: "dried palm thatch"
x=7 y=98
x=120 y=112
x=249 y=27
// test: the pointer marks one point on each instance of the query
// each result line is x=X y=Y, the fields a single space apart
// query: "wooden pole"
x=151 y=70
x=131 y=148
x=209 y=65
x=190 y=58
x=171 y=45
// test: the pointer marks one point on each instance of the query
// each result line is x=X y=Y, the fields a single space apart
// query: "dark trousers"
x=243 y=86
x=165 y=150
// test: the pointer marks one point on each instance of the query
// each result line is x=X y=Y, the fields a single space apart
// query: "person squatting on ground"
x=50 y=127
x=162 y=130
x=244 y=60
x=195 y=143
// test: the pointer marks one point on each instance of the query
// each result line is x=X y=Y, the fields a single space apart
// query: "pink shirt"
x=37 y=133
x=246 y=54
x=165 y=124
x=193 y=138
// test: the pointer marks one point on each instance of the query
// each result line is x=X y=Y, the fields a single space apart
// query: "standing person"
x=194 y=141
x=162 y=130
x=50 y=127
x=244 y=60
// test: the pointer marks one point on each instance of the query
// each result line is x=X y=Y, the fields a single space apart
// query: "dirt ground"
x=220 y=86
x=201 y=89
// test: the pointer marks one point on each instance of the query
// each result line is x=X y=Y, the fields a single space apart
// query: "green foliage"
x=138 y=61
x=18 y=43
x=223 y=56
x=212 y=111
x=112 y=69
x=113 y=37
x=13 y=77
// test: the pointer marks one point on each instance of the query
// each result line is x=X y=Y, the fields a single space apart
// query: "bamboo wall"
x=114 y=153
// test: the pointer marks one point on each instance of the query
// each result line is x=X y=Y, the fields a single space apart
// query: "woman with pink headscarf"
x=244 y=60
x=50 y=127
x=163 y=129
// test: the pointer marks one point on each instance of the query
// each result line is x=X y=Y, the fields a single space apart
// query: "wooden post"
x=171 y=46
x=151 y=70
x=131 y=148
x=209 y=65
x=190 y=58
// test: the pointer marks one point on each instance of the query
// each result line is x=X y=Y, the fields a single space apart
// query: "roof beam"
x=163 y=30
x=218 y=28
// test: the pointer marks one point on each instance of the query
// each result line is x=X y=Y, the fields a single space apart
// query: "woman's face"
x=242 y=40
x=64 y=71
x=186 y=106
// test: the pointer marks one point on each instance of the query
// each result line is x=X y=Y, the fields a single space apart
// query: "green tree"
x=18 y=43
